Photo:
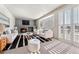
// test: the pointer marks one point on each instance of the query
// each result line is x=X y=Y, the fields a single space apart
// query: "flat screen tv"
x=25 y=22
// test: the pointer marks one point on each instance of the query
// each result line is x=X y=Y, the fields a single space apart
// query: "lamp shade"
x=2 y=28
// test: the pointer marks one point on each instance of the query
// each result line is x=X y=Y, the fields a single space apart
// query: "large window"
x=47 y=22
x=76 y=23
x=64 y=18
x=69 y=24
x=60 y=20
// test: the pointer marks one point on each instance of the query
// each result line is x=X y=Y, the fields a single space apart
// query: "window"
x=47 y=22
x=76 y=24
x=60 y=20
x=64 y=18
x=67 y=24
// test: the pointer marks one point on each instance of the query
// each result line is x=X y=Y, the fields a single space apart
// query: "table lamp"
x=2 y=29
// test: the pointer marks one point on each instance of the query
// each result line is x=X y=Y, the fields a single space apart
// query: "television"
x=25 y=22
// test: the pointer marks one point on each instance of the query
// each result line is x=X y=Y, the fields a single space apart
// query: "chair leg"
x=38 y=52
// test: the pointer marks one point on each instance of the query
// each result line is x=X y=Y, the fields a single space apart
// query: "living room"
x=39 y=28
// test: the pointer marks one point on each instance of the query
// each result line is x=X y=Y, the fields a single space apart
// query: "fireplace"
x=23 y=30
x=26 y=29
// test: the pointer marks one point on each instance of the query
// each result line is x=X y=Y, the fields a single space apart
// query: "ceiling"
x=32 y=11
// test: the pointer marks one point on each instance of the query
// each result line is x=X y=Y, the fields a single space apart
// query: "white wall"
x=7 y=13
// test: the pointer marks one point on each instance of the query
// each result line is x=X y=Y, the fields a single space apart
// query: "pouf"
x=34 y=45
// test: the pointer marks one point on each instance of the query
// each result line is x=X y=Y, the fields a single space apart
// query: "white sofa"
x=48 y=34
x=45 y=33
x=11 y=35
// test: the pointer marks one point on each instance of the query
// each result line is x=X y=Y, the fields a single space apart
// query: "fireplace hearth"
x=23 y=30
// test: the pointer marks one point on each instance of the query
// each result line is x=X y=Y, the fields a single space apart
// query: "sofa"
x=45 y=33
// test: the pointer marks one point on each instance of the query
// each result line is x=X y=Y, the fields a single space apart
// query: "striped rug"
x=59 y=47
x=22 y=40
x=19 y=41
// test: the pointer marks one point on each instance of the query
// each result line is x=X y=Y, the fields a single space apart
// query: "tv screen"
x=25 y=22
